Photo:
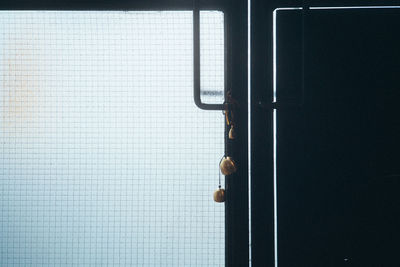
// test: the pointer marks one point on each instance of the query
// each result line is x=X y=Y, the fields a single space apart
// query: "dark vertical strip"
x=304 y=14
x=227 y=82
x=262 y=186
x=237 y=226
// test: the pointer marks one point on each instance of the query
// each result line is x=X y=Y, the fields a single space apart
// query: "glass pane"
x=105 y=159
x=212 y=57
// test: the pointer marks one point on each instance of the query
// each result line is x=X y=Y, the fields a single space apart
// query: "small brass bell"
x=232 y=133
x=227 y=166
x=219 y=195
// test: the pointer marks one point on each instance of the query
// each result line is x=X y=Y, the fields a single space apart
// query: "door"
x=332 y=133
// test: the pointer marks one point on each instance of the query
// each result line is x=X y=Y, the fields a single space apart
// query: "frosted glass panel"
x=105 y=159
x=212 y=57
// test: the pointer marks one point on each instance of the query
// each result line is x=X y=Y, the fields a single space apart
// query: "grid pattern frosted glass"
x=212 y=49
x=105 y=160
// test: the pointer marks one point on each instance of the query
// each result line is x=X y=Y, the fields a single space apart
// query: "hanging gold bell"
x=219 y=195
x=227 y=166
x=232 y=133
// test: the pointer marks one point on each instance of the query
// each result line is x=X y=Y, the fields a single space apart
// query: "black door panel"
x=338 y=153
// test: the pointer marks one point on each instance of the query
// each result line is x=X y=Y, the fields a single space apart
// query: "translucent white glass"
x=104 y=158
x=212 y=57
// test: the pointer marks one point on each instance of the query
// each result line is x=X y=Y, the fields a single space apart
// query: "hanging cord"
x=219 y=179
x=225 y=113
x=230 y=107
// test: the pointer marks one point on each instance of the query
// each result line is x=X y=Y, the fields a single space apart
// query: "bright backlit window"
x=105 y=159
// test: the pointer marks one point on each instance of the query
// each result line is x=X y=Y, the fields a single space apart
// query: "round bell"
x=227 y=166
x=232 y=133
x=219 y=195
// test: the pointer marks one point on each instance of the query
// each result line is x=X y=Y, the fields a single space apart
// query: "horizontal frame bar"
x=109 y=5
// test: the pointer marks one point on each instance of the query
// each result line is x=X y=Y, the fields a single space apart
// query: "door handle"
x=196 y=62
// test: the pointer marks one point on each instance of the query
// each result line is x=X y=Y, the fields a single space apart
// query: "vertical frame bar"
x=236 y=206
